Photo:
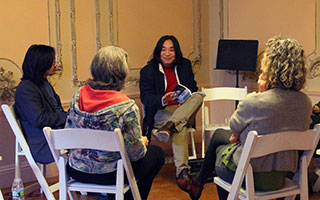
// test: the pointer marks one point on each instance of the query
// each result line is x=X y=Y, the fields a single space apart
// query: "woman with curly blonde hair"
x=283 y=64
x=267 y=111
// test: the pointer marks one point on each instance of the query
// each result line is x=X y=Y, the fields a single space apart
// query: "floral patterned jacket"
x=124 y=115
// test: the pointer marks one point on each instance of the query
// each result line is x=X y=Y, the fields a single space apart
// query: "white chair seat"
x=290 y=188
x=84 y=187
x=255 y=147
x=213 y=127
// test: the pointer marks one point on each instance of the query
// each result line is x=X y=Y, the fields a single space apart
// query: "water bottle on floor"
x=17 y=189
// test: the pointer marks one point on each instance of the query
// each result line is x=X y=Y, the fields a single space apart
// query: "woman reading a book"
x=268 y=111
x=164 y=110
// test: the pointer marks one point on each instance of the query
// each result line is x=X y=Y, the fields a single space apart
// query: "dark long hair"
x=157 y=50
x=38 y=59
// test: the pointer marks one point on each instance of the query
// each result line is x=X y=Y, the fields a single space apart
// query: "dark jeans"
x=220 y=137
x=145 y=170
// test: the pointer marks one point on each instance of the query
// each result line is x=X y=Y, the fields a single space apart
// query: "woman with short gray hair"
x=101 y=105
x=109 y=69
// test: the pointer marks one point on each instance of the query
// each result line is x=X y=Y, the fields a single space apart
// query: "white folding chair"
x=193 y=145
x=22 y=149
x=72 y=138
x=213 y=94
x=261 y=145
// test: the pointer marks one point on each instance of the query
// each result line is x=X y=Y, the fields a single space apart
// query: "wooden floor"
x=164 y=187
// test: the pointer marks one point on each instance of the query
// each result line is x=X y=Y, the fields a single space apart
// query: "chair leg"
x=193 y=146
x=290 y=197
x=1 y=196
x=73 y=195
x=316 y=186
x=43 y=170
x=19 y=152
x=17 y=161
x=202 y=144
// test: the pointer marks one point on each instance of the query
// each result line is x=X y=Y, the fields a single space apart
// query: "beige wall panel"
x=85 y=28
x=141 y=23
x=105 y=33
x=22 y=23
x=251 y=19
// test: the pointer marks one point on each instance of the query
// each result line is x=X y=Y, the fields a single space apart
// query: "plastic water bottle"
x=17 y=189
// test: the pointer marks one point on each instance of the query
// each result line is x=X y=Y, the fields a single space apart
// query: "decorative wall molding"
x=113 y=22
x=195 y=55
x=313 y=59
x=59 y=68
x=75 y=80
x=73 y=44
x=224 y=19
x=98 y=40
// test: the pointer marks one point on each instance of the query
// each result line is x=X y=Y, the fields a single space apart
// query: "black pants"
x=145 y=170
x=220 y=137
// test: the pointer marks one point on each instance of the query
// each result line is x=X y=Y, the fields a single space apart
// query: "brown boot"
x=184 y=180
x=164 y=133
x=196 y=189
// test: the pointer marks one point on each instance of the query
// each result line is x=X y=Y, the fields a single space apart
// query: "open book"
x=183 y=93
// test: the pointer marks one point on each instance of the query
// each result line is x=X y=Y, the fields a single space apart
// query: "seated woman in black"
x=36 y=103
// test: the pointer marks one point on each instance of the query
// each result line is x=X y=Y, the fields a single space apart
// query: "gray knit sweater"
x=268 y=112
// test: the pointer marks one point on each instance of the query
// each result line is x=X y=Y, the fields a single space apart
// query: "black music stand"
x=237 y=55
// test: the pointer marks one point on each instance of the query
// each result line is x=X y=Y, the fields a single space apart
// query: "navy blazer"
x=35 y=110
x=152 y=88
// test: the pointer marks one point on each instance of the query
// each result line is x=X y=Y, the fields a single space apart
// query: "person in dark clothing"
x=158 y=80
x=36 y=103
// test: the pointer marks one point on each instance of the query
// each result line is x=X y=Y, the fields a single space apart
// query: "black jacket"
x=35 y=110
x=152 y=88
